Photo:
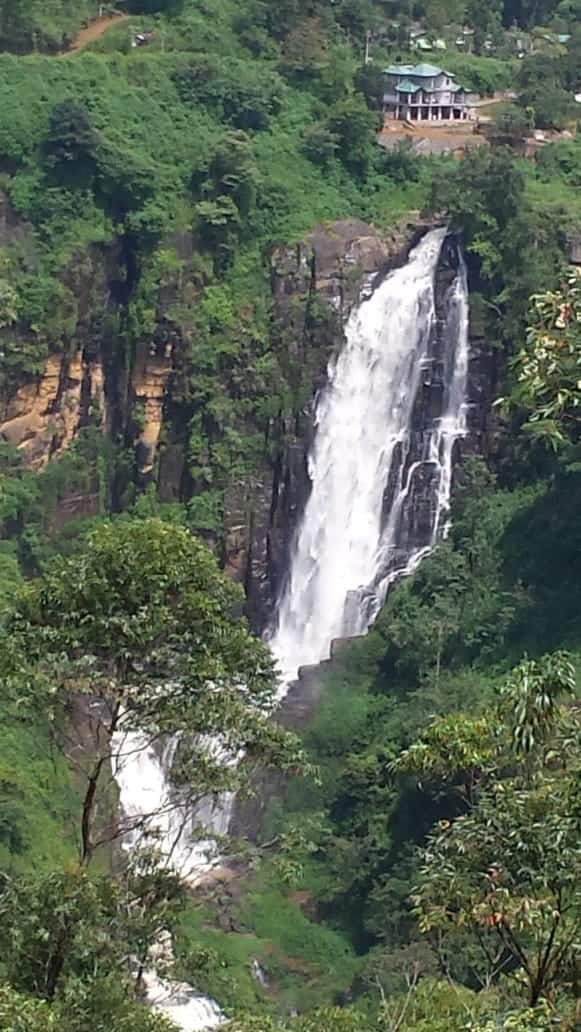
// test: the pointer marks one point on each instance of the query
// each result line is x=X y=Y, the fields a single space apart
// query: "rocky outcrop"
x=44 y=416
x=149 y=383
x=90 y=372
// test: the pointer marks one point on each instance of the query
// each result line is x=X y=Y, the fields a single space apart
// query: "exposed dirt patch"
x=94 y=31
x=434 y=138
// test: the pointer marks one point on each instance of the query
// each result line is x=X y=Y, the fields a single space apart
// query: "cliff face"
x=134 y=390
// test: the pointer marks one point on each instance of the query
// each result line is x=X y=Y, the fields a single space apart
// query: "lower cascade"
x=381 y=472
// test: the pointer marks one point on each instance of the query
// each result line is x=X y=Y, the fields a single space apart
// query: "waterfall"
x=152 y=813
x=371 y=469
x=379 y=501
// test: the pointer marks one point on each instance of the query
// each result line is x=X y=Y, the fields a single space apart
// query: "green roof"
x=407 y=87
x=426 y=71
x=420 y=71
x=399 y=70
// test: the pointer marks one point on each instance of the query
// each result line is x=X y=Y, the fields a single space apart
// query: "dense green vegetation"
x=257 y=148
x=144 y=602
x=434 y=678
x=422 y=873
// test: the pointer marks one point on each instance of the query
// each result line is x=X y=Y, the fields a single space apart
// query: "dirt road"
x=94 y=31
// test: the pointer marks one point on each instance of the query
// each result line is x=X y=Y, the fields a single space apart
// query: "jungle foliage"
x=422 y=874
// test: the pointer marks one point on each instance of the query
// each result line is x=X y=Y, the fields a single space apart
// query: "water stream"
x=381 y=473
x=373 y=466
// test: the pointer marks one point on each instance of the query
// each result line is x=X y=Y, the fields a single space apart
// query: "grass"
x=38 y=804
x=305 y=963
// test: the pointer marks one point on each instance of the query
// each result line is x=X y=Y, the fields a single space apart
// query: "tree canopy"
x=548 y=368
x=140 y=633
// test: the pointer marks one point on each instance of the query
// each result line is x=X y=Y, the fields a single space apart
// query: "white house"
x=424 y=92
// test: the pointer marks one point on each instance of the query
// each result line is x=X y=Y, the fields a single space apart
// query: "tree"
x=133 y=643
x=542 y=80
x=233 y=173
x=572 y=61
x=125 y=180
x=531 y=698
x=171 y=7
x=455 y=751
x=401 y=163
x=370 y=81
x=99 y=1006
x=356 y=16
x=139 y=636
x=305 y=50
x=482 y=197
x=320 y=144
x=354 y=125
x=541 y=1018
x=440 y=15
x=548 y=368
x=509 y=870
x=325 y=1019
x=16 y=24
x=241 y=94
x=71 y=927
x=228 y=186
x=485 y=19
x=71 y=144
x=552 y=107
x=539 y=70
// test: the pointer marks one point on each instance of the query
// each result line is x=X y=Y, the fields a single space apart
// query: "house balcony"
x=445 y=98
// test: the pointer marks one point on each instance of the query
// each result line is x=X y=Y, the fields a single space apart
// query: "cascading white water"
x=349 y=549
x=354 y=538
x=153 y=810
x=153 y=814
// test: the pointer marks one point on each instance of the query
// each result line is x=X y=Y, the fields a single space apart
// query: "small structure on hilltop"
x=424 y=92
x=424 y=41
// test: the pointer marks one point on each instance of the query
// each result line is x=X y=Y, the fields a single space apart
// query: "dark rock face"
x=315 y=285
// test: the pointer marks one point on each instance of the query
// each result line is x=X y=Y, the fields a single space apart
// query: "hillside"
x=193 y=203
